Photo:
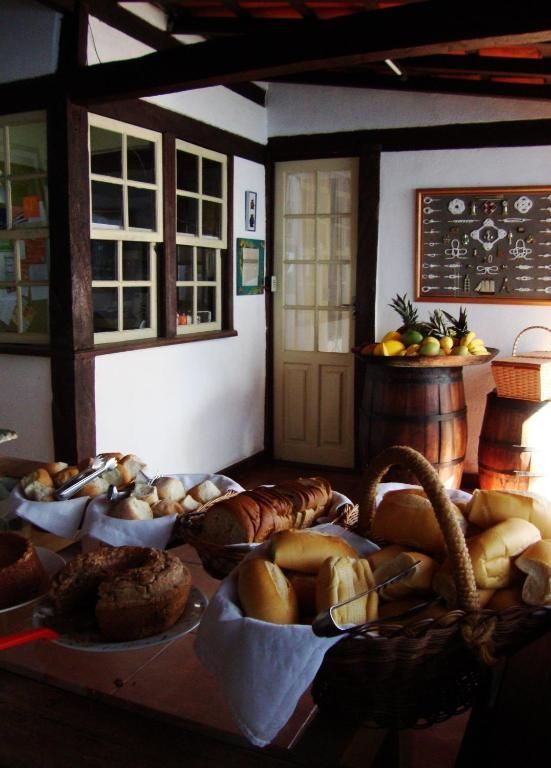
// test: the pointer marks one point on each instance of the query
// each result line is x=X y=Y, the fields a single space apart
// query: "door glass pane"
x=35 y=259
x=300 y=193
x=106 y=204
x=334 y=192
x=206 y=304
x=212 y=178
x=184 y=262
x=334 y=238
x=300 y=284
x=35 y=308
x=184 y=299
x=141 y=208
x=28 y=203
x=7 y=262
x=104 y=260
x=135 y=312
x=105 y=303
x=206 y=264
x=28 y=148
x=135 y=261
x=105 y=152
x=140 y=159
x=299 y=330
x=334 y=286
x=300 y=239
x=334 y=331
x=187 y=171
x=187 y=215
x=8 y=310
x=212 y=219
x=2 y=156
x=3 y=220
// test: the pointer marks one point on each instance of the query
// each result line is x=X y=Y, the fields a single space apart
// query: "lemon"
x=430 y=347
x=446 y=343
x=392 y=347
x=430 y=340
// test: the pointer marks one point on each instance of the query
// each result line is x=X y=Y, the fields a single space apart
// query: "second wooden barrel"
x=514 y=448
x=423 y=408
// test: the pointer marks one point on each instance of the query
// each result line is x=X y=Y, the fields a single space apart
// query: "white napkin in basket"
x=60 y=517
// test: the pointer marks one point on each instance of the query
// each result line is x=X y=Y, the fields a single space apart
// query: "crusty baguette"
x=384 y=554
x=340 y=578
x=417 y=581
x=265 y=593
x=536 y=563
x=492 y=506
x=305 y=550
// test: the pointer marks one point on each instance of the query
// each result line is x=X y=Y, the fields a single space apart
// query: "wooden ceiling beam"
x=489 y=66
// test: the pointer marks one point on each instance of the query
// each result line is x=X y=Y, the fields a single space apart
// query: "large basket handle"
x=530 y=328
x=467 y=596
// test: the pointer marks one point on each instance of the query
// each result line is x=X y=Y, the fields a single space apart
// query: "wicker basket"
x=219 y=560
x=524 y=377
x=403 y=676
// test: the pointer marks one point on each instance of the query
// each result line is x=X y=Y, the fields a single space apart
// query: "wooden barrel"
x=423 y=408
x=514 y=448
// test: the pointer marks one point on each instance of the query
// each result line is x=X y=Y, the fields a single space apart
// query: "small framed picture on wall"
x=250 y=211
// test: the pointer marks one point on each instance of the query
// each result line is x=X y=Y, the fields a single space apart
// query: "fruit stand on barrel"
x=413 y=392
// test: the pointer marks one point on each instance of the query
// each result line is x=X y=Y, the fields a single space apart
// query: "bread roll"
x=536 y=563
x=145 y=492
x=443 y=585
x=492 y=551
x=170 y=488
x=205 y=491
x=132 y=463
x=384 y=554
x=406 y=517
x=490 y=507
x=38 y=486
x=95 y=487
x=265 y=593
x=304 y=586
x=62 y=477
x=340 y=578
x=54 y=467
x=167 y=507
x=419 y=580
x=119 y=476
x=131 y=508
x=305 y=550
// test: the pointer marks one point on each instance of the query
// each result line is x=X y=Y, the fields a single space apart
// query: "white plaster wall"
x=26 y=406
x=30 y=47
x=196 y=407
x=497 y=324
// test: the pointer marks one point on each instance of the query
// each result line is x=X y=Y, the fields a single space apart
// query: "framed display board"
x=484 y=244
x=250 y=266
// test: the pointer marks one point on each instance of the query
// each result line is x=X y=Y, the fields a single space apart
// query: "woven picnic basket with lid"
x=405 y=675
x=526 y=376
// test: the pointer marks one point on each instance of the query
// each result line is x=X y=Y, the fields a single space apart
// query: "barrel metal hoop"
x=426 y=418
x=512 y=472
x=450 y=463
x=506 y=444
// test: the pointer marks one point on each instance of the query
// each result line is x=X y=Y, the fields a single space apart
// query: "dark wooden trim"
x=250 y=91
x=228 y=258
x=131 y=346
x=73 y=40
x=269 y=302
x=166 y=252
x=27 y=95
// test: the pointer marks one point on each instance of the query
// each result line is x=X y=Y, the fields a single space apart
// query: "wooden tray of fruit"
x=443 y=342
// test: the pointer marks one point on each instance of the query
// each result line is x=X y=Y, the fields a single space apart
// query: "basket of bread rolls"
x=481 y=589
x=224 y=529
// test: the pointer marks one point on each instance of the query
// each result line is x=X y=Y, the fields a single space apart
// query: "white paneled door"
x=315 y=266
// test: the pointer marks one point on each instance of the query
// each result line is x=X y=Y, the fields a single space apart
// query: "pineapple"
x=459 y=327
x=408 y=313
x=438 y=326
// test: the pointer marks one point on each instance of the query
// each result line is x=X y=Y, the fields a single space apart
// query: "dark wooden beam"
x=487 y=66
x=414 y=30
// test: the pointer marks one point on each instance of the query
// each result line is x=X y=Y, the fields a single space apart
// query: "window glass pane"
x=141 y=208
x=3 y=213
x=334 y=331
x=106 y=152
x=212 y=178
x=35 y=260
x=299 y=329
x=136 y=311
x=334 y=238
x=212 y=219
x=2 y=156
x=135 y=261
x=140 y=159
x=28 y=148
x=7 y=262
x=184 y=262
x=106 y=204
x=28 y=203
x=206 y=304
x=300 y=284
x=300 y=194
x=8 y=310
x=334 y=286
x=334 y=192
x=184 y=299
x=105 y=303
x=206 y=264
x=187 y=172
x=104 y=260
x=187 y=215
x=300 y=239
x=35 y=308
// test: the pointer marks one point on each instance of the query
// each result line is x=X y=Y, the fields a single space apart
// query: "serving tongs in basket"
x=72 y=486
x=325 y=624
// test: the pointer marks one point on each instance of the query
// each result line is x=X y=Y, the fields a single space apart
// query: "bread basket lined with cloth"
x=423 y=671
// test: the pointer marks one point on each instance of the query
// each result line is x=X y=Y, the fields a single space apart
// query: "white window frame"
x=16 y=235
x=202 y=241
x=127 y=233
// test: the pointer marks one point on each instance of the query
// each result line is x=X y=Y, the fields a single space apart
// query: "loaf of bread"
x=305 y=550
x=418 y=580
x=444 y=586
x=535 y=562
x=340 y=578
x=265 y=593
x=490 y=507
x=407 y=517
x=385 y=554
x=304 y=586
x=493 y=551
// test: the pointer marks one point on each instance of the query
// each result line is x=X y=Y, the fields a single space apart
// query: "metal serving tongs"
x=325 y=625
x=72 y=486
